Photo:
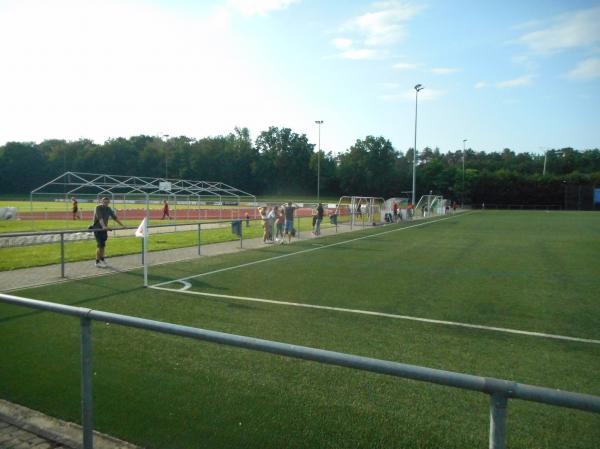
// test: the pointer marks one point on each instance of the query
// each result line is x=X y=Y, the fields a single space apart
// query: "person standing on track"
x=101 y=216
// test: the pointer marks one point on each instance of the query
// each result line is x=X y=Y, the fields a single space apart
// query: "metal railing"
x=62 y=234
x=498 y=390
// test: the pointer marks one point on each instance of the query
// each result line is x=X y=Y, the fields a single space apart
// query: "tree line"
x=282 y=162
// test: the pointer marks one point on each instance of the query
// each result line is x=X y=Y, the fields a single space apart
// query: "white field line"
x=304 y=251
x=385 y=315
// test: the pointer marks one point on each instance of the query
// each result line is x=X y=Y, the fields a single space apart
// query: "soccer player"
x=101 y=216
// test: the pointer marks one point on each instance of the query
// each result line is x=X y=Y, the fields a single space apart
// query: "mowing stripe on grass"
x=305 y=251
x=184 y=289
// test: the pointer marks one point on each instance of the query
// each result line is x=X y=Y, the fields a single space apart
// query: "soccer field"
x=511 y=295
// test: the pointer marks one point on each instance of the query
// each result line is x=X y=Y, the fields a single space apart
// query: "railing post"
x=199 y=235
x=62 y=255
x=498 y=404
x=87 y=421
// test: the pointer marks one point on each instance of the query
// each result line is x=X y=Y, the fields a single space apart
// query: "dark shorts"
x=101 y=237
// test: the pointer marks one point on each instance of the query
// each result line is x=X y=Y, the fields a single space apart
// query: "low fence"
x=498 y=390
x=62 y=237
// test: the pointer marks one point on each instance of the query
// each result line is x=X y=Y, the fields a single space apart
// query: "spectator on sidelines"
x=271 y=217
x=410 y=211
x=319 y=216
x=395 y=210
x=279 y=222
x=289 y=221
x=247 y=219
x=101 y=216
x=262 y=211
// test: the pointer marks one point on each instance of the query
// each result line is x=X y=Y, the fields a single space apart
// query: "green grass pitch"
x=527 y=271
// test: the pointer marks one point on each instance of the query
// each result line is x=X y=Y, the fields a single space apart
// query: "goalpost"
x=431 y=206
x=360 y=211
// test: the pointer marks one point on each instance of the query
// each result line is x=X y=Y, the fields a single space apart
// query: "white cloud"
x=578 y=29
x=517 y=82
x=363 y=53
x=259 y=7
x=444 y=70
x=405 y=66
x=342 y=43
x=383 y=25
x=480 y=85
x=586 y=70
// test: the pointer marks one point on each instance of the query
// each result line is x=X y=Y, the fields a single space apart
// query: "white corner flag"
x=141 y=230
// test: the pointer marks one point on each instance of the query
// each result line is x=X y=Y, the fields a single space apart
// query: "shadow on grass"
x=113 y=291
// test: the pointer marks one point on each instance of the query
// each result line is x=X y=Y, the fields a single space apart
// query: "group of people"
x=280 y=219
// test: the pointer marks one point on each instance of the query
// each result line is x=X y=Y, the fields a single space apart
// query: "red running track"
x=156 y=214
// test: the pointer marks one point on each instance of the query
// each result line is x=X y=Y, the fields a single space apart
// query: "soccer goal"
x=431 y=206
x=360 y=211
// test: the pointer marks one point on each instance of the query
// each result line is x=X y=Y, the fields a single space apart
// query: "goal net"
x=431 y=206
x=360 y=211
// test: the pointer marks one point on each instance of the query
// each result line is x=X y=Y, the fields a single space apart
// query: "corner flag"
x=140 y=230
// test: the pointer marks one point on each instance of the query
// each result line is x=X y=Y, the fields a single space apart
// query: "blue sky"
x=510 y=74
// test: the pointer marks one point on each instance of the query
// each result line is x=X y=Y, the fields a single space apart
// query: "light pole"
x=319 y=122
x=462 y=196
x=418 y=88
x=166 y=136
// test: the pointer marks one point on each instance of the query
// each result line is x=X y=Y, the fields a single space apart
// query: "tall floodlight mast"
x=418 y=88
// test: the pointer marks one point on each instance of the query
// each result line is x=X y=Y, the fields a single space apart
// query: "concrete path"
x=51 y=274
x=23 y=428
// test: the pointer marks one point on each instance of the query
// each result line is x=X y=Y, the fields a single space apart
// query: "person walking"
x=166 y=210
x=101 y=216
x=320 y=213
x=75 y=209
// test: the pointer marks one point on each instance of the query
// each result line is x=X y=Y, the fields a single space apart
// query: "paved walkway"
x=51 y=274
x=22 y=428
